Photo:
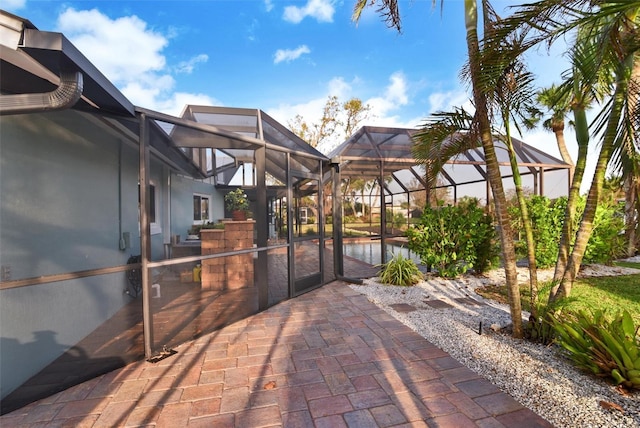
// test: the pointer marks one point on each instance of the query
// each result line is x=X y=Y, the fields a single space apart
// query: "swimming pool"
x=370 y=251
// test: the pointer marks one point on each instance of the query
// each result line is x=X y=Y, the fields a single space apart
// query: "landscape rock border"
x=539 y=377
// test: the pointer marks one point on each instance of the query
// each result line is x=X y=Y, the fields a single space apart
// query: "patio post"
x=145 y=233
x=262 y=228
x=383 y=215
x=337 y=220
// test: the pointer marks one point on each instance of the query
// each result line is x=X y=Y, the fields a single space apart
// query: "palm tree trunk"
x=633 y=176
x=636 y=234
x=493 y=169
x=564 y=152
x=526 y=220
x=610 y=135
x=630 y=192
x=562 y=147
x=582 y=138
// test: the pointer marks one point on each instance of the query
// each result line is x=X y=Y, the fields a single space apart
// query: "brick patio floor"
x=328 y=358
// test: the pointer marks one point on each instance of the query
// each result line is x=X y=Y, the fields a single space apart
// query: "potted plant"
x=237 y=203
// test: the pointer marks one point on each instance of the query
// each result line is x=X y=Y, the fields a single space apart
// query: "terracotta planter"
x=239 y=215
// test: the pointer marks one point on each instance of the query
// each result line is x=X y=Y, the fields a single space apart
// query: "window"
x=200 y=208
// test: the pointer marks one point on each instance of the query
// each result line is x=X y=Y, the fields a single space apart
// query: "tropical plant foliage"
x=606 y=243
x=603 y=56
x=454 y=239
x=603 y=346
x=400 y=271
x=482 y=123
x=236 y=200
x=546 y=219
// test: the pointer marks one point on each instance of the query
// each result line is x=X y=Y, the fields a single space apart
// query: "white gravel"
x=539 y=377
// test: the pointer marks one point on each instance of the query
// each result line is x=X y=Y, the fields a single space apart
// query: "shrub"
x=395 y=220
x=350 y=219
x=400 y=271
x=546 y=220
x=605 y=244
x=196 y=228
x=603 y=346
x=454 y=239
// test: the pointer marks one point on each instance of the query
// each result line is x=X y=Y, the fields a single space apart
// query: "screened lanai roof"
x=371 y=149
x=248 y=129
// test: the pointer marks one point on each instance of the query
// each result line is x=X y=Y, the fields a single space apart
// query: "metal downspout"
x=63 y=97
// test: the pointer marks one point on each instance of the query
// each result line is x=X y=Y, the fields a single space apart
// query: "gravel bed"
x=537 y=376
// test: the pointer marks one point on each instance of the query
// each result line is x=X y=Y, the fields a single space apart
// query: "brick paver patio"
x=329 y=358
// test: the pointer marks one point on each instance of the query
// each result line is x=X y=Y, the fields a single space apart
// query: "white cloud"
x=321 y=10
x=394 y=97
x=188 y=66
x=121 y=48
x=13 y=4
x=268 y=4
x=176 y=103
x=339 y=88
x=130 y=55
x=289 y=55
x=252 y=28
x=446 y=101
x=310 y=110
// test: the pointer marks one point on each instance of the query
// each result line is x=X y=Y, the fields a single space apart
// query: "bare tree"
x=338 y=122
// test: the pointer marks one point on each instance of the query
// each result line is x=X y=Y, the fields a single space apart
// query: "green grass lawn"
x=611 y=293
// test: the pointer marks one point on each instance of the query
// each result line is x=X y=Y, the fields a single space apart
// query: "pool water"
x=370 y=252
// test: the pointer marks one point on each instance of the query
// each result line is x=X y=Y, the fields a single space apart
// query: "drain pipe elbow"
x=64 y=96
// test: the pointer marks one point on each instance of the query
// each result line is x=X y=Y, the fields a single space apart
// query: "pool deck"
x=329 y=358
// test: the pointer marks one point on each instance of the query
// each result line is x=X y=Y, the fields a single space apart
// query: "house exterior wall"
x=69 y=188
x=182 y=191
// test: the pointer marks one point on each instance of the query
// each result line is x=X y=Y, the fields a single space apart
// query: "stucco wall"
x=182 y=191
x=69 y=188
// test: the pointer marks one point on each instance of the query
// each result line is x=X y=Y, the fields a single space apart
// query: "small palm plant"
x=400 y=271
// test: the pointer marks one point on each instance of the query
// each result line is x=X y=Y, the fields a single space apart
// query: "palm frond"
x=388 y=9
x=444 y=136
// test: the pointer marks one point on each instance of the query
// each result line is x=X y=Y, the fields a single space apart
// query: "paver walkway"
x=329 y=358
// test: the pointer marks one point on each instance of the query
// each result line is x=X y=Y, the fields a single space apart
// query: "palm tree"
x=582 y=96
x=611 y=31
x=511 y=90
x=390 y=11
x=628 y=165
x=509 y=87
x=606 y=45
x=558 y=103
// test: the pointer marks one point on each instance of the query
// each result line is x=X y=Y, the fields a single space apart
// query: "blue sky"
x=282 y=56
